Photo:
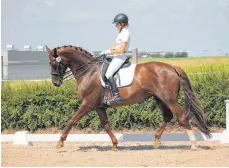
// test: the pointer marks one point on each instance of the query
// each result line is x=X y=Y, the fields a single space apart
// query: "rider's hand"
x=101 y=54
x=105 y=52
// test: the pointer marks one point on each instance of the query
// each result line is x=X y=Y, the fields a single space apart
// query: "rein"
x=77 y=72
x=67 y=74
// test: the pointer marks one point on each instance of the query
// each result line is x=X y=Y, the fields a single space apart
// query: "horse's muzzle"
x=56 y=81
x=56 y=84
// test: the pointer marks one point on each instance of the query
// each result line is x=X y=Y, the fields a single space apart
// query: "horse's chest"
x=81 y=92
x=85 y=89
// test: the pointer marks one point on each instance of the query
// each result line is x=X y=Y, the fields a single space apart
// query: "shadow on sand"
x=141 y=147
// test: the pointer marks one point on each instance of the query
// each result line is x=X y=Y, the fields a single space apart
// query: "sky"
x=155 y=25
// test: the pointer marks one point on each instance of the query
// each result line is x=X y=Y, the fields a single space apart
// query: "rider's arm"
x=120 y=50
x=112 y=47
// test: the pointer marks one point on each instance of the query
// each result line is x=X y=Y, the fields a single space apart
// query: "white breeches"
x=115 y=64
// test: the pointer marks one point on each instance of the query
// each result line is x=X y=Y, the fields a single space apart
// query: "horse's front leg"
x=78 y=114
x=104 y=120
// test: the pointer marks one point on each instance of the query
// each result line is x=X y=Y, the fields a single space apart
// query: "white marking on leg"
x=192 y=139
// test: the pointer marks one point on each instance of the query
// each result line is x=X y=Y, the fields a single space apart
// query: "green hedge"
x=32 y=106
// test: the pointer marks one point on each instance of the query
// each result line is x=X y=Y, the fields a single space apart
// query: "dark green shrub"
x=40 y=105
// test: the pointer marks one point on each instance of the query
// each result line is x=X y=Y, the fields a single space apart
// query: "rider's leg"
x=106 y=64
x=115 y=64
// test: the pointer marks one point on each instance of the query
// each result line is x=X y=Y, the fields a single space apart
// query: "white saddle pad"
x=123 y=77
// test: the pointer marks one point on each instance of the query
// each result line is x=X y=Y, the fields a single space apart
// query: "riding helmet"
x=121 y=18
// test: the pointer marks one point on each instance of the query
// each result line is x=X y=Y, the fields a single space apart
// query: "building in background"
x=40 y=48
x=27 y=48
x=10 y=47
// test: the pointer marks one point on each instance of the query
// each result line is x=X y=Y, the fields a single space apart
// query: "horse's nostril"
x=56 y=84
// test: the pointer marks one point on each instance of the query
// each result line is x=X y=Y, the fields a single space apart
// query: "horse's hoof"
x=157 y=144
x=114 y=149
x=60 y=144
x=194 y=147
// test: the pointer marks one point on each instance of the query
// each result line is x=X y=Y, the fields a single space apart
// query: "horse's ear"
x=48 y=49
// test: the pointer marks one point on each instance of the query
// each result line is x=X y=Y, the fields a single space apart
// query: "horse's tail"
x=192 y=108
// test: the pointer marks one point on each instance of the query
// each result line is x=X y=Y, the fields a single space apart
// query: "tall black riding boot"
x=116 y=97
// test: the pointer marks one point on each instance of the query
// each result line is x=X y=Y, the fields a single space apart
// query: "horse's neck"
x=78 y=59
x=80 y=65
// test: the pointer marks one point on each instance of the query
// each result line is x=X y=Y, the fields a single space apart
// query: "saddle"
x=123 y=77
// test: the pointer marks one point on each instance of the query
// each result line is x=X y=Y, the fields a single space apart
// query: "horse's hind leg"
x=176 y=109
x=170 y=100
x=104 y=120
x=167 y=116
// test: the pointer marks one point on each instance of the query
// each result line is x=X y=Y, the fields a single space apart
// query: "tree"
x=169 y=55
x=181 y=54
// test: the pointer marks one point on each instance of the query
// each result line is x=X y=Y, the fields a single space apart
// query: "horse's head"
x=58 y=65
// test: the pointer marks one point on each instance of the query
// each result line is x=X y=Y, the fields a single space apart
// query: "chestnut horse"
x=157 y=79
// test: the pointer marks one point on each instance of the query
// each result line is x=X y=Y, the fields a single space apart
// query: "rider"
x=117 y=51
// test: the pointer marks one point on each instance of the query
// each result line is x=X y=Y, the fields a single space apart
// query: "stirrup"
x=115 y=100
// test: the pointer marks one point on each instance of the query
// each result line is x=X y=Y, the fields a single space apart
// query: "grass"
x=197 y=64
x=19 y=83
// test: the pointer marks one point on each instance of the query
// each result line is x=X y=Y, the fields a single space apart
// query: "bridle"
x=60 y=69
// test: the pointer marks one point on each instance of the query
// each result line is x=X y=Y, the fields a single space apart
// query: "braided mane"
x=79 y=49
x=86 y=69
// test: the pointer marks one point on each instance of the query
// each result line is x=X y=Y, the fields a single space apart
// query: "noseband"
x=60 y=69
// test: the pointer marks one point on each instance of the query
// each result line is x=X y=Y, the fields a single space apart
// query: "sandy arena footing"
x=129 y=154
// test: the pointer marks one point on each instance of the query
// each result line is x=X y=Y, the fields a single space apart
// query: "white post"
x=4 y=54
x=20 y=138
x=225 y=134
x=135 y=55
x=227 y=115
x=1 y=67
